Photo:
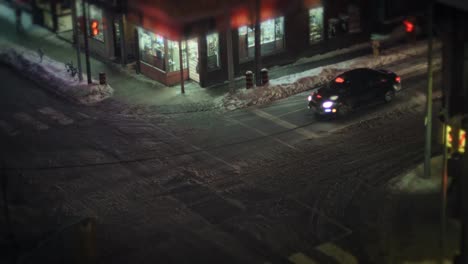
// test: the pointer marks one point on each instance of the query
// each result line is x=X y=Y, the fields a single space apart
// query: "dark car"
x=353 y=89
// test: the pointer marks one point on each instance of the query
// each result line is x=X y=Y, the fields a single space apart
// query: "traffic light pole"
x=258 y=56
x=428 y=149
x=443 y=196
x=77 y=41
x=86 y=45
x=463 y=178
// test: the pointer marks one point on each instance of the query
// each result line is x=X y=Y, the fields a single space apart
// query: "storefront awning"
x=177 y=19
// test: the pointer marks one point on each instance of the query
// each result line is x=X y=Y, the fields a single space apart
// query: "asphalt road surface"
x=261 y=185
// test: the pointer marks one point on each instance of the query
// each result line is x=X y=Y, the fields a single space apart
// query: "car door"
x=358 y=90
x=371 y=88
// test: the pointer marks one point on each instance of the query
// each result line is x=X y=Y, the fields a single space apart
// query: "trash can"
x=248 y=79
x=265 y=79
x=102 y=78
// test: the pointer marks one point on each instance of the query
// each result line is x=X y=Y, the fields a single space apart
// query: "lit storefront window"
x=315 y=24
x=152 y=51
x=151 y=48
x=173 y=55
x=212 y=41
x=347 y=22
x=271 y=38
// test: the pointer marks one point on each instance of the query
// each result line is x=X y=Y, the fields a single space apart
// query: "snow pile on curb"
x=53 y=75
x=303 y=81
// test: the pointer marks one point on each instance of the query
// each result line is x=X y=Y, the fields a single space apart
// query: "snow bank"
x=296 y=83
x=52 y=75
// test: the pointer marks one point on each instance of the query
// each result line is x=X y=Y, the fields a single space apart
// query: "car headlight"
x=309 y=98
x=327 y=104
x=334 y=97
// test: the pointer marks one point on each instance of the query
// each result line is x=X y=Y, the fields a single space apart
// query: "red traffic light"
x=94 y=28
x=409 y=26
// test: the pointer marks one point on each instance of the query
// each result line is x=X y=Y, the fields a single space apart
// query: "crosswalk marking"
x=9 y=130
x=55 y=115
x=306 y=133
x=337 y=253
x=301 y=258
x=263 y=134
x=27 y=119
x=83 y=115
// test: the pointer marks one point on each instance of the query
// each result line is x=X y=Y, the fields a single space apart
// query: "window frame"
x=249 y=30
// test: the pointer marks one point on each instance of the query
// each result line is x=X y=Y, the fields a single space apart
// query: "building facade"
x=105 y=28
x=55 y=15
x=289 y=30
x=171 y=41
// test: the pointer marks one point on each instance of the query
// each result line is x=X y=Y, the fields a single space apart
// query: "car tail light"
x=339 y=80
x=398 y=79
x=318 y=96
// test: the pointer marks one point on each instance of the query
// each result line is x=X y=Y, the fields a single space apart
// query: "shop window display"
x=316 y=24
x=152 y=49
x=173 y=56
x=212 y=41
x=271 y=38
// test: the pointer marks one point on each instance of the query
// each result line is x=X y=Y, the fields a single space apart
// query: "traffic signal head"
x=461 y=141
x=409 y=26
x=455 y=139
x=448 y=137
x=94 y=28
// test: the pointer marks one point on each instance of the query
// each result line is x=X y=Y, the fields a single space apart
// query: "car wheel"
x=388 y=96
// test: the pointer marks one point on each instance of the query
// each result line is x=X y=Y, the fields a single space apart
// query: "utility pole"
x=258 y=56
x=76 y=39
x=85 y=38
x=428 y=149
x=230 y=61
x=463 y=178
x=181 y=61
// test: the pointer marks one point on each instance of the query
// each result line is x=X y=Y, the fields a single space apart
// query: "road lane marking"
x=301 y=258
x=83 y=115
x=56 y=116
x=332 y=250
x=304 y=132
x=263 y=133
x=293 y=111
x=9 y=130
x=27 y=119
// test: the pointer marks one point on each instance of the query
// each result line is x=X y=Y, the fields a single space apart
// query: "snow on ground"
x=296 y=83
x=52 y=75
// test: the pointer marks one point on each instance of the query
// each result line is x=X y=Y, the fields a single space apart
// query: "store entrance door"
x=192 y=53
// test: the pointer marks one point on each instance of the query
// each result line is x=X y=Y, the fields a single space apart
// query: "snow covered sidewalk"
x=296 y=83
x=52 y=75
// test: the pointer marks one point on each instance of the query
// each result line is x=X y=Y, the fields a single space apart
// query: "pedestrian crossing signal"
x=461 y=140
x=94 y=28
x=448 y=137
x=455 y=139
